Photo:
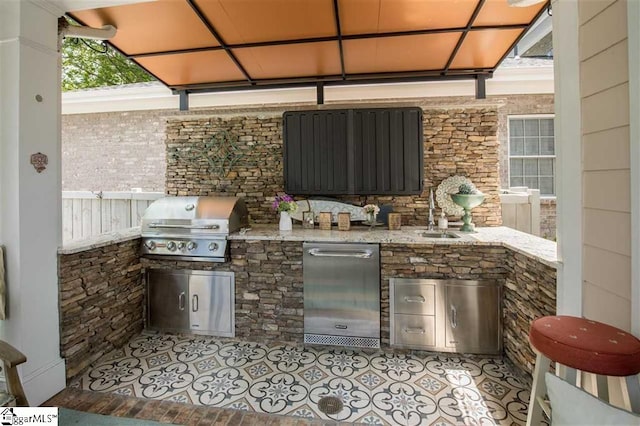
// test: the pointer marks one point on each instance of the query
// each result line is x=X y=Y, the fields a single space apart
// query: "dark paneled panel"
x=315 y=152
x=362 y=151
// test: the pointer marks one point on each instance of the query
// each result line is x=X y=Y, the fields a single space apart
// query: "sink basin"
x=439 y=235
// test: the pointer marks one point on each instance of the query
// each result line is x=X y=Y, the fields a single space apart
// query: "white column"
x=569 y=156
x=30 y=202
x=633 y=17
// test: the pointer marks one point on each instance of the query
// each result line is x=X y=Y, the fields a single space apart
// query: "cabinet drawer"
x=414 y=330
x=418 y=299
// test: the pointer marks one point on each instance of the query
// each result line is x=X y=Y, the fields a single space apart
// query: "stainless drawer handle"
x=360 y=254
x=166 y=225
x=181 y=301
x=414 y=299
x=413 y=330
x=341 y=327
x=454 y=317
x=194 y=303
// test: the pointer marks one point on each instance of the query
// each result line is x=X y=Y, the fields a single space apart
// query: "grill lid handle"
x=165 y=225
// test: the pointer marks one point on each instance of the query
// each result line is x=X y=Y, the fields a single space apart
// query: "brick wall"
x=114 y=151
x=101 y=302
x=548 y=219
x=457 y=141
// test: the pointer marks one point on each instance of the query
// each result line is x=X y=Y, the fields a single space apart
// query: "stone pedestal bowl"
x=467 y=202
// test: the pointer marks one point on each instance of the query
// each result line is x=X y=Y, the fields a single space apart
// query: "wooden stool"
x=584 y=345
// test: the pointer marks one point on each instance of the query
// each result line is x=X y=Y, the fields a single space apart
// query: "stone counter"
x=536 y=248
x=102 y=292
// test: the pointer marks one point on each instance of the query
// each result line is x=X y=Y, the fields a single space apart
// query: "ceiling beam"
x=335 y=80
x=320 y=93
x=336 y=13
x=331 y=38
x=474 y=15
x=481 y=87
x=219 y=39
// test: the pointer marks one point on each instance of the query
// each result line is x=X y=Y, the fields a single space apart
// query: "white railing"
x=521 y=209
x=86 y=214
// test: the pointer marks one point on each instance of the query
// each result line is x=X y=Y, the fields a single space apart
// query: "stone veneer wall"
x=457 y=142
x=101 y=302
x=268 y=287
x=529 y=293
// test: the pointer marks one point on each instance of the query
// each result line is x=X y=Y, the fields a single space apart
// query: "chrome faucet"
x=432 y=207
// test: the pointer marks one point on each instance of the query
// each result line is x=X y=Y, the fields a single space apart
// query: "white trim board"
x=506 y=81
x=633 y=17
x=569 y=157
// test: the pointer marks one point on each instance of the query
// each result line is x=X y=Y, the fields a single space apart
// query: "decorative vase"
x=467 y=202
x=371 y=219
x=285 y=221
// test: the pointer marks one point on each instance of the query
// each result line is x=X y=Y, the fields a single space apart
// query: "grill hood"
x=192 y=228
x=194 y=216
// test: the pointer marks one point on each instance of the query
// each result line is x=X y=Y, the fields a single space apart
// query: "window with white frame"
x=532 y=153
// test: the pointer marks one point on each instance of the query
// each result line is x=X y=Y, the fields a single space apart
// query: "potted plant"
x=284 y=204
x=467 y=197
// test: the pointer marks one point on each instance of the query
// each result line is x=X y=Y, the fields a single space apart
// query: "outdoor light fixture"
x=523 y=3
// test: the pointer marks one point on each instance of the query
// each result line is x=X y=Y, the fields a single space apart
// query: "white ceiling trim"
x=506 y=81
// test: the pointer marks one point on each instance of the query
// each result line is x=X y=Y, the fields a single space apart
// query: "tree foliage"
x=87 y=64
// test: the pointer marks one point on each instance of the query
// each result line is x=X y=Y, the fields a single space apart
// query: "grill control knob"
x=181 y=245
x=171 y=246
x=150 y=245
x=191 y=245
x=213 y=246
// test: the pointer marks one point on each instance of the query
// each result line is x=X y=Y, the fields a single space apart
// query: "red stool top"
x=586 y=345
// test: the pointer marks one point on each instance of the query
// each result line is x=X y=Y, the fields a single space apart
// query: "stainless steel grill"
x=192 y=228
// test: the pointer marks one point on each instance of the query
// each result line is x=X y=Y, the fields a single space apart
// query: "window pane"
x=546 y=166
x=547 y=146
x=531 y=127
x=546 y=186
x=531 y=182
x=517 y=181
x=516 y=167
x=531 y=146
x=546 y=127
x=530 y=167
x=516 y=127
x=517 y=146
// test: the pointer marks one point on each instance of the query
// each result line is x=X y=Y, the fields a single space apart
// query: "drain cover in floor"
x=330 y=405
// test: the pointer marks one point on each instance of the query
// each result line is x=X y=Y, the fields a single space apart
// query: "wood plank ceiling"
x=211 y=45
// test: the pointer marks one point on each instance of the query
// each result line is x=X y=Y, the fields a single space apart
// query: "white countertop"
x=536 y=247
x=103 y=240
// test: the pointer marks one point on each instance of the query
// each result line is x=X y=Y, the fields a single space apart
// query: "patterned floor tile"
x=375 y=387
x=404 y=403
x=220 y=387
x=277 y=393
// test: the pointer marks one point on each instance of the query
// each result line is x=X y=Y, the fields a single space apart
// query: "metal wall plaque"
x=39 y=161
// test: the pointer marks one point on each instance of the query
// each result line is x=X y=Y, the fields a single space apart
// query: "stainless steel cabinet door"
x=473 y=317
x=211 y=302
x=167 y=304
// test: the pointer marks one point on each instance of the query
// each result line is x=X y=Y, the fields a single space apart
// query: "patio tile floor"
x=375 y=387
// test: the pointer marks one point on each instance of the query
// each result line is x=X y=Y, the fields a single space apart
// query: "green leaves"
x=87 y=64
